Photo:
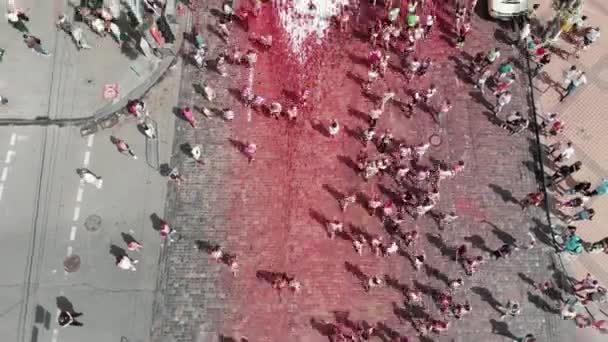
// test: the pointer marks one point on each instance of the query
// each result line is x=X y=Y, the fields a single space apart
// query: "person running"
x=67 y=318
x=124 y=262
x=134 y=246
x=123 y=147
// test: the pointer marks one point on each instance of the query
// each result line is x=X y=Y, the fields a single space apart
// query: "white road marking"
x=13 y=139
x=55 y=333
x=90 y=141
x=76 y=213
x=9 y=156
x=73 y=233
x=79 y=194
x=87 y=158
x=69 y=250
x=1 y=190
x=4 y=174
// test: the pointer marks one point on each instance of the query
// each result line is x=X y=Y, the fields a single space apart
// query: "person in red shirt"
x=532 y=199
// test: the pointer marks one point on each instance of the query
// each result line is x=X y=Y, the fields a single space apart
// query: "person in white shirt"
x=566 y=154
x=580 y=80
x=334 y=128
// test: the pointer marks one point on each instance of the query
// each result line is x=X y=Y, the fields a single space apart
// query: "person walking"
x=573 y=85
x=67 y=318
x=583 y=188
x=564 y=172
x=196 y=153
x=333 y=129
x=502 y=100
x=491 y=57
x=601 y=189
x=443 y=110
x=189 y=116
x=586 y=214
x=566 y=154
x=532 y=199
x=123 y=147
x=17 y=19
x=35 y=44
x=512 y=309
x=249 y=151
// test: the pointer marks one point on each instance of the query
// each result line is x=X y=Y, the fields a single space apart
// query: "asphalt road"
x=49 y=214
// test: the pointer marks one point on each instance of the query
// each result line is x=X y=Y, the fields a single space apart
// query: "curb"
x=108 y=115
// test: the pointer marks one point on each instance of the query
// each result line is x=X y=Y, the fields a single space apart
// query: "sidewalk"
x=583 y=114
x=69 y=84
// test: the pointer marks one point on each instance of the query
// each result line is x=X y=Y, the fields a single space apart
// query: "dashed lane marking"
x=73 y=233
x=76 y=213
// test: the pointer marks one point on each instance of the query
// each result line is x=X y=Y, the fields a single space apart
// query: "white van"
x=506 y=9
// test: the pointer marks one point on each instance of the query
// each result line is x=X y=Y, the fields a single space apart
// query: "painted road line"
x=13 y=139
x=1 y=190
x=4 y=174
x=55 y=332
x=9 y=156
x=73 y=233
x=90 y=142
x=76 y=213
x=79 y=194
x=70 y=250
x=87 y=158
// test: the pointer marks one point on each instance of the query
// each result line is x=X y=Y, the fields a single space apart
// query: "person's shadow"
x=502 y=329
x=504 y=194
x=64 y=304
x=117 y=252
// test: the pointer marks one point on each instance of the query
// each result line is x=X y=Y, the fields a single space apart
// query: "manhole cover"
x=435 y=140
x=93 y=223
x=71 y=263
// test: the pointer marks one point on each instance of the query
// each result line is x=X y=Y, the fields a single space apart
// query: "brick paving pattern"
x=271 y=213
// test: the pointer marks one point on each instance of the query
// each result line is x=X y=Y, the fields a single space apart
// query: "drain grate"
x=93 y=223
x=72 y=263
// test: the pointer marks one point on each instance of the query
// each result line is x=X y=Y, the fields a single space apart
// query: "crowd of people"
x=417 y=185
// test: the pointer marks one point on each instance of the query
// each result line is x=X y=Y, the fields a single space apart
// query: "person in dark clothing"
x=580 y=187
x=564 y=172
x=544 y=60
x=69 y=318
x=504 y=251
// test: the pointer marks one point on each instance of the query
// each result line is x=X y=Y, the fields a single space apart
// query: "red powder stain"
x=465 y=206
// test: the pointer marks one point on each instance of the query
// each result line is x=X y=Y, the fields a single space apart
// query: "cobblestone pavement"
x=271 y=213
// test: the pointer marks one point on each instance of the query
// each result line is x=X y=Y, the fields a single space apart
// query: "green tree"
x=568 y=9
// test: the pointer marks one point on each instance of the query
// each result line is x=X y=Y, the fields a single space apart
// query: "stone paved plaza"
x=271 y=213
